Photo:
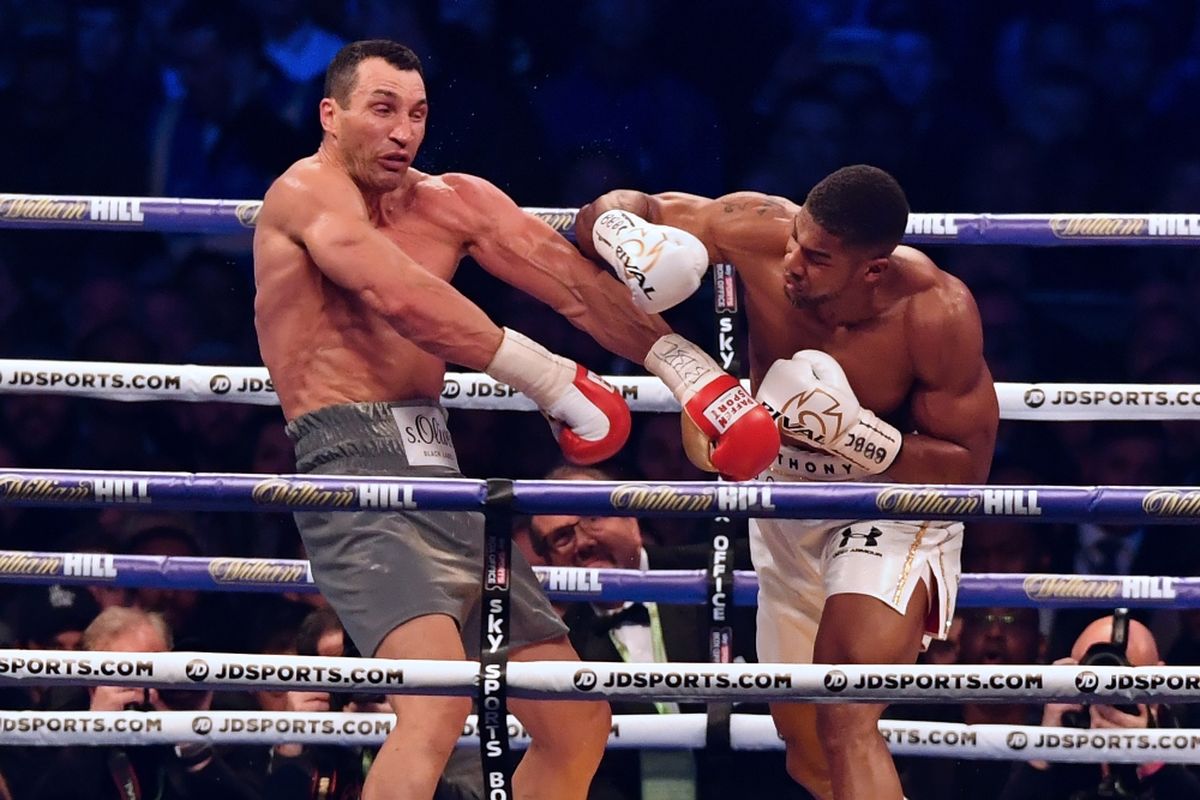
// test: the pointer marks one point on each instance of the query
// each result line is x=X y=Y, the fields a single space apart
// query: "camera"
x=1121 y=780
x=339 y=700
x=174 y=699
x=1105 y=654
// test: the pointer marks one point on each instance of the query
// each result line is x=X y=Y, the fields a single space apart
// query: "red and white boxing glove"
x=589 y=418
x=724 y=429
x=813 y=404
x=661 y=265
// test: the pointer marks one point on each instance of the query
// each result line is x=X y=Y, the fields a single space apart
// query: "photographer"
x=330 y=772
x=1110 y=641
x=163 y=772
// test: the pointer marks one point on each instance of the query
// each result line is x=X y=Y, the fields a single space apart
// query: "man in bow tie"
x=644 y=633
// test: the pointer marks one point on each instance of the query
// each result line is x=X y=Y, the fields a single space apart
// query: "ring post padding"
x=495 y=631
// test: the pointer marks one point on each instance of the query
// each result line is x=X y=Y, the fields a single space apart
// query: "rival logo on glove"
x=809 y=424
x=650 y=254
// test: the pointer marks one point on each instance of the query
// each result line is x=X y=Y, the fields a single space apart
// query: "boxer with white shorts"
x=871 y=360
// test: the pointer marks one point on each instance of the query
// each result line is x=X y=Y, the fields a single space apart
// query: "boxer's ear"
x=876 y=268
x=328 y=113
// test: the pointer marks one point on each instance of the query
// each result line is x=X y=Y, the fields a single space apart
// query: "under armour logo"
x=872 y=537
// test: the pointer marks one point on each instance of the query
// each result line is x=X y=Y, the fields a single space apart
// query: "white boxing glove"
x=813 y=405
x=661 y=265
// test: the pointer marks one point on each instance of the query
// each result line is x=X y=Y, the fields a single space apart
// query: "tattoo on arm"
x=760 y=206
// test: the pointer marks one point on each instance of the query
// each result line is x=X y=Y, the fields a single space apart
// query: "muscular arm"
x=528 y=254
x=954 y=405
x=739 y=224
x=324 y=213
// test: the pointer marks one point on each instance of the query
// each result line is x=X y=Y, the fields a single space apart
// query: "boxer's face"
x=819 y=267
x=379 y=133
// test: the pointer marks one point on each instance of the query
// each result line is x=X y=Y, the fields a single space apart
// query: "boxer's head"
x=374 y=112
x=849 y=225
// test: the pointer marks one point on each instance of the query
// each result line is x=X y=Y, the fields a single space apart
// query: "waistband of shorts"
x=351 y=429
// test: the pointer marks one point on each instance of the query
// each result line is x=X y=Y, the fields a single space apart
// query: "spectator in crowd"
x=648 y=632
x=990 y=636
x=1118 y=454
x=1148 y=779
x=221 y=137
x=299 y=49
x=195 y=618
x=180 y=772
x=335 y=772
x=634 y=105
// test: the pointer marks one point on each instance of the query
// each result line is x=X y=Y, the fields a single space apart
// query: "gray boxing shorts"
x=380 y=569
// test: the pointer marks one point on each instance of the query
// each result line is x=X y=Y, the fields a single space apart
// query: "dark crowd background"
x=1077 y=106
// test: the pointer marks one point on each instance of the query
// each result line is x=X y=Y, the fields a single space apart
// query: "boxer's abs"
x=324 y=366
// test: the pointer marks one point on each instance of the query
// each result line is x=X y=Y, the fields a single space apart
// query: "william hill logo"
x=275 y=491
x=638 y=497
x=1096 y=226
x=934 y=502
x=15 y=487
x=29 y=564
x=247 y=213
x=559 y=220
x=1172 y=503
x=48 y=209
x=238 y=570
x=939 y=502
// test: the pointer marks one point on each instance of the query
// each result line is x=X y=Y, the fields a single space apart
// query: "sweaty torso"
x=321 y=344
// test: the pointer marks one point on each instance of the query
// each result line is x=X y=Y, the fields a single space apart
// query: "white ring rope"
x=629 y=731
x=57 y=728
x=107 y=380
x=589 y=680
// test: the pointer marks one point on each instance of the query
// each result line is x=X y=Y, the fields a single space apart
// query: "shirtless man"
x=846 y=330
x=356 y=319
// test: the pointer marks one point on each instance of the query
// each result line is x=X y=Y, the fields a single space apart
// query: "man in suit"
x=649 y=632
x=1118 y=454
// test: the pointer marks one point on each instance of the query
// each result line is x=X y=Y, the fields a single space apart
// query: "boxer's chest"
x=428 y=237
x=875 y=357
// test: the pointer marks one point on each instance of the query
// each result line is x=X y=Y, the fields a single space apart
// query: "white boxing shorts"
x=802 y=562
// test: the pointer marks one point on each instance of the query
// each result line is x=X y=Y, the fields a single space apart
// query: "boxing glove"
x=661 y=265
x=724 y=429
x=813 y=405
x=588 y=416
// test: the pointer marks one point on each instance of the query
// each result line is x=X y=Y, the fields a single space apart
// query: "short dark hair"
x=318 y=623
x=339 y=77
x=861 y=205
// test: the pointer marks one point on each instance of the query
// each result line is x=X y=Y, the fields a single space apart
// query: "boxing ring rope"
x=589 y=680
x=215 y=491
x=576 y=584
x=131 y=382
x=629 y=731
x=189 y=215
